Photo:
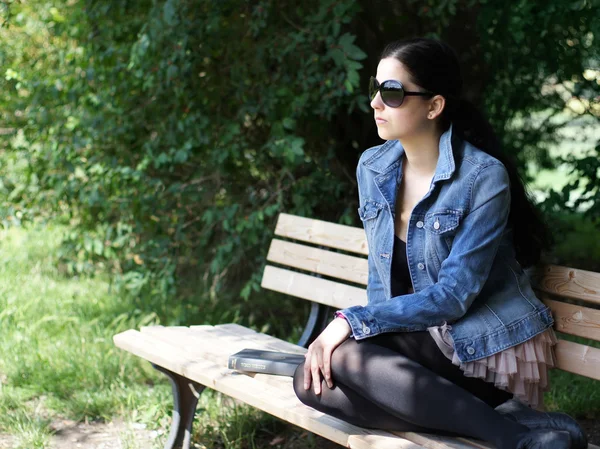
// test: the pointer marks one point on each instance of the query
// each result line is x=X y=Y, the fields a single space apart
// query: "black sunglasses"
x=392 y=92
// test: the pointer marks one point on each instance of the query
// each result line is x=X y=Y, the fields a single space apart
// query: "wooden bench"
x=329 y=268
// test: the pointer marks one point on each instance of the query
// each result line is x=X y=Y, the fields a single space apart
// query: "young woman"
x=452 y=330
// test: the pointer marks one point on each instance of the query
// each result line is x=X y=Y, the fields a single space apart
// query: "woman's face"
x=410 y=117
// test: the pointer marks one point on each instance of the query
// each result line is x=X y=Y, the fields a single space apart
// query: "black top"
x=400 y=275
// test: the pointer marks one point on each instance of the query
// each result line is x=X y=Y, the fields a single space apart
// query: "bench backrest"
x=337 y=255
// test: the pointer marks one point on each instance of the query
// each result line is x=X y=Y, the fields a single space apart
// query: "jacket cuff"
x=362 y=323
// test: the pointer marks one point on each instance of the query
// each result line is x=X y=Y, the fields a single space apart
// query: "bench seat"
x=200 y=353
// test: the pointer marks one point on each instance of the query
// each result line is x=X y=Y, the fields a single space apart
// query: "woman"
x=452 y=330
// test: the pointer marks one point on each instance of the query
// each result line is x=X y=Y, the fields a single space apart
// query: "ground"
x=592 y=427
x=96 y=435
x=118 y=435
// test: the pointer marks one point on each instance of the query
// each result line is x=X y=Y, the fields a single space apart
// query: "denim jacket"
x=459 y=250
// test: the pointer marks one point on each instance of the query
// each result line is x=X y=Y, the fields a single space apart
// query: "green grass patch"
x=576 y=395
x=57 y=358
x=57 y=343
x=18 y=416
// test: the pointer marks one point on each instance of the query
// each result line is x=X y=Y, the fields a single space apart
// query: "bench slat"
x=324 y=233
x=323 y=291
x=340 y=266
x=383 y=441
x=276 y=343
x=438 y=442
x=579 y=359
x=574 y=319
x=568 y=282
x=216 y=344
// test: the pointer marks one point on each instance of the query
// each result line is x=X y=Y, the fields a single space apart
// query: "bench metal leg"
x=185 y=398
x=320 y=316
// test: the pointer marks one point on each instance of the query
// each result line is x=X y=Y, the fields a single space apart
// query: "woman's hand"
x=318 y=357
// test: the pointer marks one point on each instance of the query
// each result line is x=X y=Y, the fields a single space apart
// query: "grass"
x=57 y=360
x=56 y=352
x=17 y=414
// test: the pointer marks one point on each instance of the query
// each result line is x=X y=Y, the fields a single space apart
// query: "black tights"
x=403 y=382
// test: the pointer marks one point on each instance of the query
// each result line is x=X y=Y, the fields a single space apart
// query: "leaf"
x=98 y=247
x=351 y=50
x=336 y=28
x=289 y=123
x=181 y=156
x=348 y=85
x=169 y=13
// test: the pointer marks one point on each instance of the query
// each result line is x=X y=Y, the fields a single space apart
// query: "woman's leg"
x=344 y=403
x=421 y=347
x=414 y=394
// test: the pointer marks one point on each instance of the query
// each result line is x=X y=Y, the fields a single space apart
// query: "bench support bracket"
x=185 y=398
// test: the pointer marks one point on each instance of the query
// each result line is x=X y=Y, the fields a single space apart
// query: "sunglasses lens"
x=373 y=88
x=392 y=94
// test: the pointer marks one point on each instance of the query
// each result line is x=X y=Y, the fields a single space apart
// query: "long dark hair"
x=433 y=65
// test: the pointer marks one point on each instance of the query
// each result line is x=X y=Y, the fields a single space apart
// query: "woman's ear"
x=436 y=106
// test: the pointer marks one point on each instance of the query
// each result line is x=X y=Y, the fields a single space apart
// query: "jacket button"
x=436 y=225
x=421 y=266
x=470 y=350
x=419 y=224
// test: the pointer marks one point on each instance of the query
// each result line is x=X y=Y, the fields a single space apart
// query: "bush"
x=171 y=133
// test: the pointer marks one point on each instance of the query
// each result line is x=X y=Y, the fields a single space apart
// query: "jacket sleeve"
x=462 y=274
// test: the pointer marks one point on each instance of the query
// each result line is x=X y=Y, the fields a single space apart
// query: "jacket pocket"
x=368 y=213
x=369 y=210
x=442 y=222
x=441 y=228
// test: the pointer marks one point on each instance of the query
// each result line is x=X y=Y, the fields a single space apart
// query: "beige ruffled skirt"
x=521 y=370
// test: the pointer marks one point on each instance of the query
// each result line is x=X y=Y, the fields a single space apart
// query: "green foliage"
x=537 y=61
x=169 y=134
x=181 y=131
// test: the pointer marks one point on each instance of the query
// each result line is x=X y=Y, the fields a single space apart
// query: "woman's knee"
x=345 y=362
x=301 y=393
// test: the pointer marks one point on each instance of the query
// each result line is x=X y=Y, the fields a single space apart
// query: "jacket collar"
x=389 y=156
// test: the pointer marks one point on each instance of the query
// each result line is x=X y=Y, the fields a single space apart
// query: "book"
x=266 y=362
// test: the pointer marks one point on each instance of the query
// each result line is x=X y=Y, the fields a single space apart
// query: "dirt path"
x=113 y=435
